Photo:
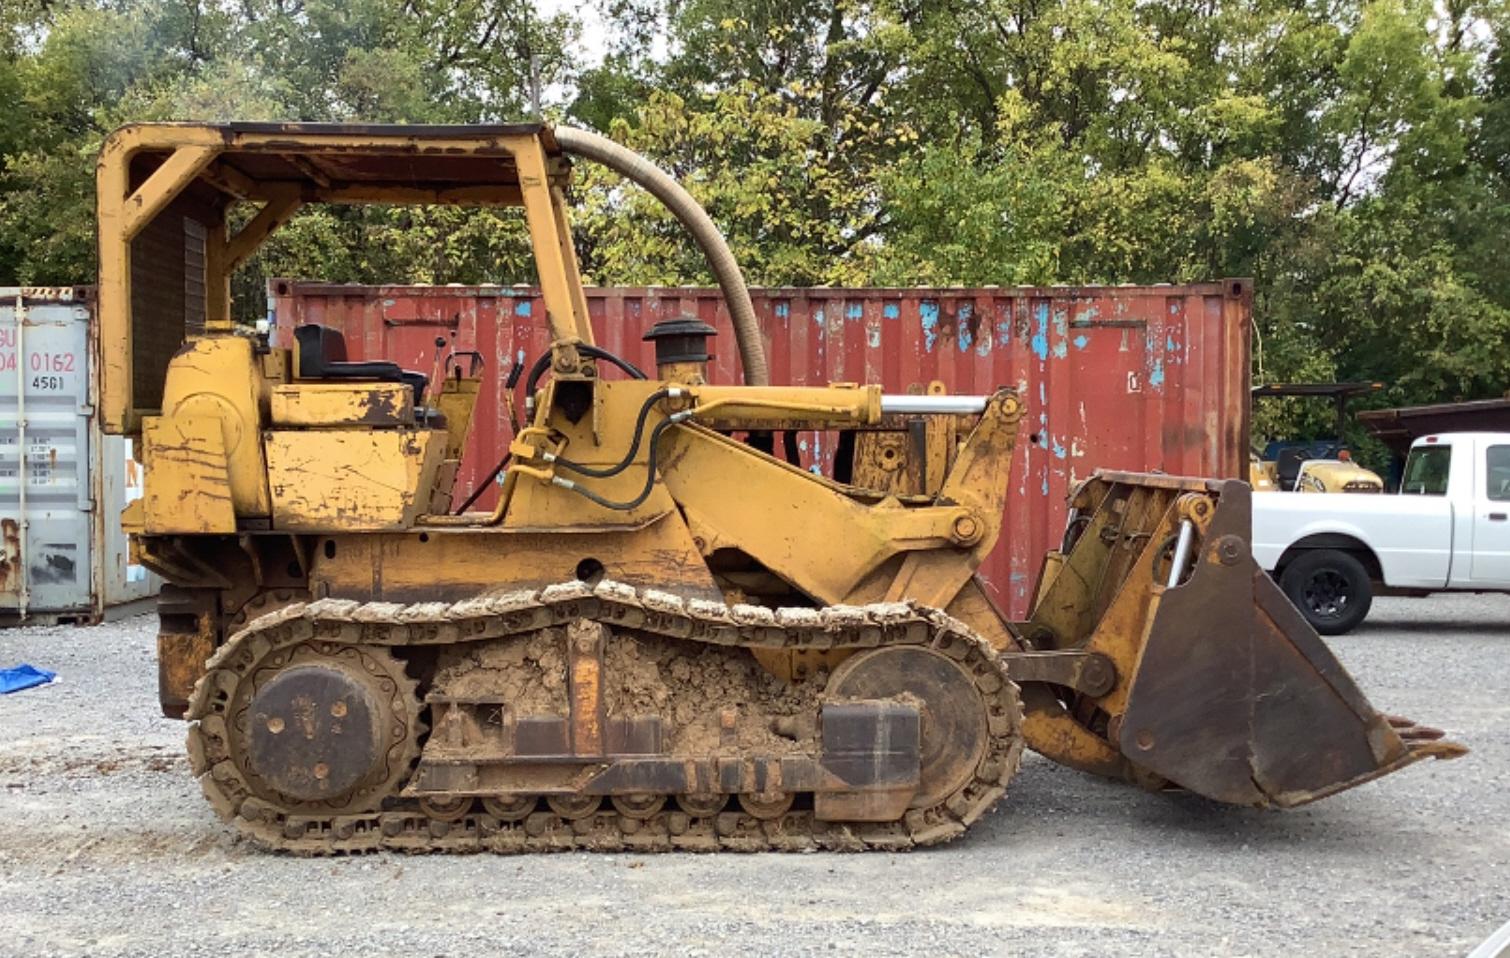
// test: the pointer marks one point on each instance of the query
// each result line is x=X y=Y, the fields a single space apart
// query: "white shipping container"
x=63 y=483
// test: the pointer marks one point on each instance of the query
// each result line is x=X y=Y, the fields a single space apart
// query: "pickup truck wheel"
x=1330 y=588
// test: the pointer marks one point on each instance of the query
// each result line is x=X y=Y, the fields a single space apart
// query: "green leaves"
x=1351 y=155
x=79 y=69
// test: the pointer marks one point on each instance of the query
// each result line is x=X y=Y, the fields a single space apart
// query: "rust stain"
x=10 y=555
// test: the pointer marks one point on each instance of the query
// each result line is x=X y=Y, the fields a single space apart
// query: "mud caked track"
x=275 y=678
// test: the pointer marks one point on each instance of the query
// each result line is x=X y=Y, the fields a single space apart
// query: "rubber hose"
x=661 y=185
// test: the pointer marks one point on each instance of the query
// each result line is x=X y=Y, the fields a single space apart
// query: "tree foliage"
x=1351 y=155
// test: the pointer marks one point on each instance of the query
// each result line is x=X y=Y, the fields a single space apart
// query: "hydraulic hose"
x=650 y=467
x=634 y=445
x=662 y=186
x=544 y=362
x=639 y=432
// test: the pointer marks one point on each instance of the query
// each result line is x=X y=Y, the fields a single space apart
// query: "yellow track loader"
x=666 y=634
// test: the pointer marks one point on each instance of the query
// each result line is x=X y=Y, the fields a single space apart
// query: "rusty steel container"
x=1137 y=378
x=63 y=483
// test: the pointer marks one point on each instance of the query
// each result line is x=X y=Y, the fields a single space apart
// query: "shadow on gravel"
x=1202 y=819
x=1046 y=797
x=1416 y=628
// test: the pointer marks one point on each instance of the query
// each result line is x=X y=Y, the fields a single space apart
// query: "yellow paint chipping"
x=355 y=479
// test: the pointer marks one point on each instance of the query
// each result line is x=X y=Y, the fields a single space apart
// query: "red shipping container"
x=1143 y=378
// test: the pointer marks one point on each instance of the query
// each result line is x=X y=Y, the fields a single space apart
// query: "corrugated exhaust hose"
x=661 y=185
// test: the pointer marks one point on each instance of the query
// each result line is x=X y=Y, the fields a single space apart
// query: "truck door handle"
x=1496 y=517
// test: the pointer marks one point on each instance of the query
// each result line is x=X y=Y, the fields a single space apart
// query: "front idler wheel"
x=954 y=730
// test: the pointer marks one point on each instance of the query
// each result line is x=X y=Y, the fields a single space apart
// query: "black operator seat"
x=1287 y=466
x=322 y=355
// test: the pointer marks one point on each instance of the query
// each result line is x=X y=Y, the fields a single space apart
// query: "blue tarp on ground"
x=24 y=677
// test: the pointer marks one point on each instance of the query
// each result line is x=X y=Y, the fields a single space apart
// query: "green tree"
x=79 y=69
x=1351 y=155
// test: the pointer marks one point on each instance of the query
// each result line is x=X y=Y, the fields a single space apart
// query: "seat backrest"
x=1287 y=466
x=318 y=346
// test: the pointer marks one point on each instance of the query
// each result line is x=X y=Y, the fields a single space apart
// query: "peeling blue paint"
x=1004 y=331
x=1174 y=309
x=820 y=321
x=1061 y=332
x=854 y=311
x=1040 y=341
x=1081 y=342
x=1156 y=375
x=891 y=311
x=962 y=333
x=1170 y=344
x=522 y=308
x=783 y=310
x=815 y=469
x=873 y=337
x=1045 y=484
x=1059 y=451
x=928 y=312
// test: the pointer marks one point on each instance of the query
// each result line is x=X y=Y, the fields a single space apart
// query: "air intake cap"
x=681 y=340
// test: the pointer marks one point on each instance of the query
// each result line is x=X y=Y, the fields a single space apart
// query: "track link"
x=401 y=825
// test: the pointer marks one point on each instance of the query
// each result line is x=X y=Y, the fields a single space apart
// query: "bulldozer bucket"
x=1223 y=688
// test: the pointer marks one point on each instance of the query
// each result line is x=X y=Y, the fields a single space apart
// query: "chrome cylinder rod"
x=934 y=405
x=1181 y=553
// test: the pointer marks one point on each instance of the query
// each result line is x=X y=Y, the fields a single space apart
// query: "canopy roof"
x=346 y=163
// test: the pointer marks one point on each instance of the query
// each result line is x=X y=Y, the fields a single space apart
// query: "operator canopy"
x=167 y=251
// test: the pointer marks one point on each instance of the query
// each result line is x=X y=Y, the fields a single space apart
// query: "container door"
x=45 y=504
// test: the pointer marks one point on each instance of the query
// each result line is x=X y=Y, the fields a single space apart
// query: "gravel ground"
x=106 y=847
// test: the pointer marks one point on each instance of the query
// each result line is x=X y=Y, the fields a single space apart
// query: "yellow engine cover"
x=350 y=479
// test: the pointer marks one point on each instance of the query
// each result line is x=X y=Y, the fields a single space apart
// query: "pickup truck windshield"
x=1426 y=471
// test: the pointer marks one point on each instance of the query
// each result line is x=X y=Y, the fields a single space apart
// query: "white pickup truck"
x=1448 y=528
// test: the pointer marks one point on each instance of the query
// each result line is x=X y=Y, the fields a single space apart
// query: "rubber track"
x=401 y=826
